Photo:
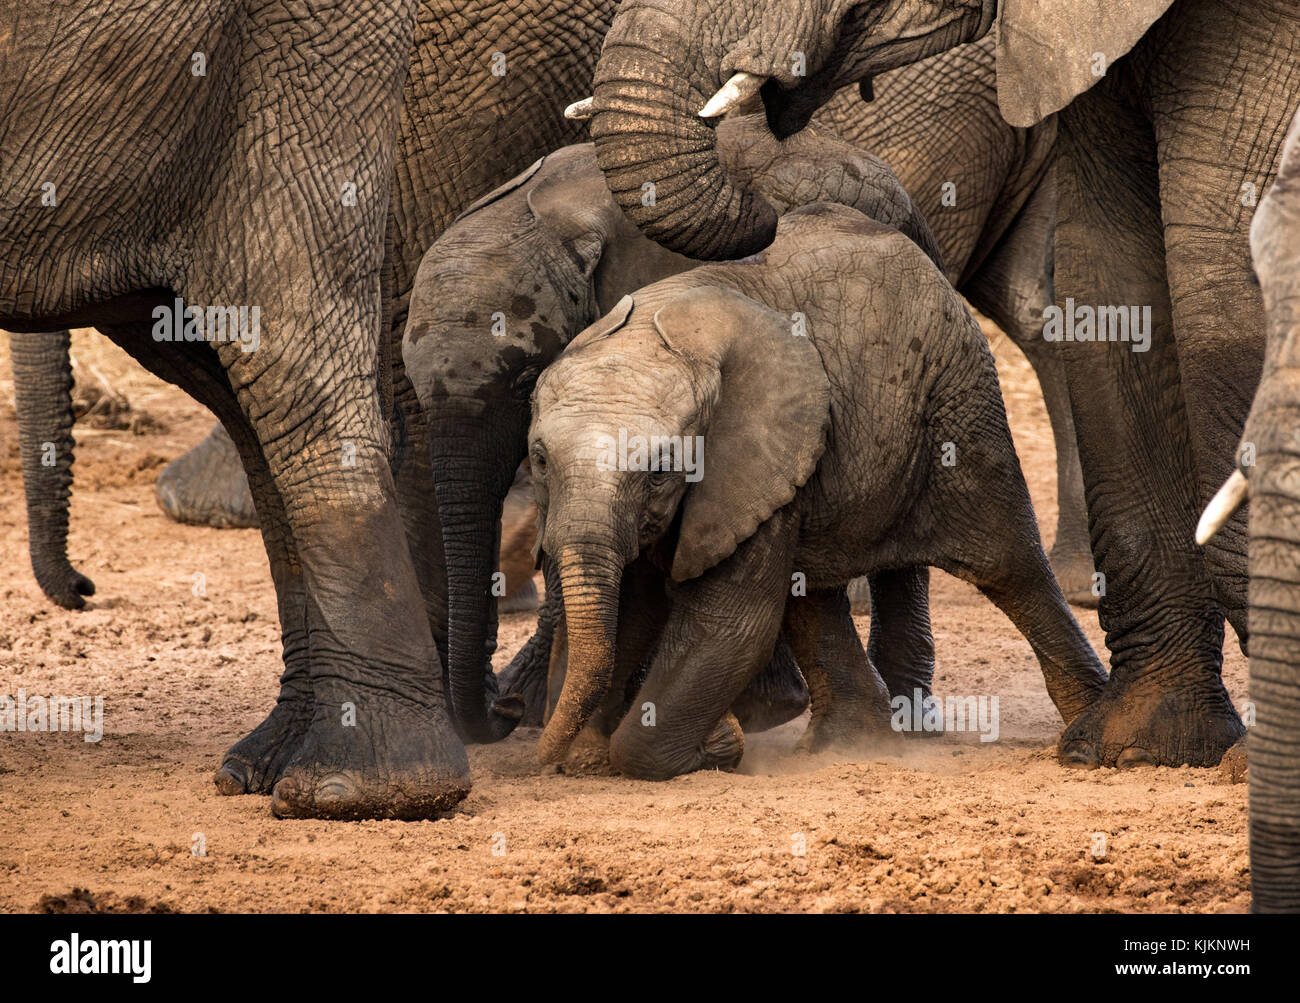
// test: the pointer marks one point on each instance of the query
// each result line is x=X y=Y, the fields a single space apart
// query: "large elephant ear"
x=1051 y=51
x=766 y=427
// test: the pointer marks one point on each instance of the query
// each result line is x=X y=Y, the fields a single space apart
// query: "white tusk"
x=580 y=111
x=1221 y=507
x=733 y=94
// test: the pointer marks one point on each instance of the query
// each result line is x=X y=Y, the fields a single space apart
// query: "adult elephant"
x=270 y=186
x=1171 y=117
x=1274 y=549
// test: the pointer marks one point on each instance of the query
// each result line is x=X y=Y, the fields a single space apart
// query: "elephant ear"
x=575 y=206
x=765 y=427
x=606 y=325
x=500 y=192
x=1049 y=51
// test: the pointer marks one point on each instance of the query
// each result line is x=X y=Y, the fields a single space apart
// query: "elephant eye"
x=539 y=463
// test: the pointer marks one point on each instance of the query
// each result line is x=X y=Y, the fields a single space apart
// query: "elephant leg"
x=379 y=743
x=1213 y=166
x=42 y=370
x=1001 y=553
x=776 y=695
x=253 y=764
x=901 y=645
x=850 y=701
x=207 y=486
x=1014 y=286
x=1165 y=702
x=718 y=637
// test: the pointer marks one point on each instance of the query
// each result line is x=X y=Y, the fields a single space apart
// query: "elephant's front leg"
x=378 y=742
x=850 y=702
x=253 y=764
x=719 y=635
x=1165 y=702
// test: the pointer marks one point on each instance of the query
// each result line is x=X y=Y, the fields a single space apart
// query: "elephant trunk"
x=472 y=470
x=1274 y=745
x=645 y=103
x=590 y=578
x=43 y=399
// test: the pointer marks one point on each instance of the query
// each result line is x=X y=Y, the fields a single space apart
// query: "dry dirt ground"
x=952 y=825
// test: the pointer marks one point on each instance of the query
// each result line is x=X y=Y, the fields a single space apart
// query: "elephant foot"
x=588 y=755
x=1141 y=721
x=725 y=745
x=858 y=728
x=397 y=760
x=207 y=486
x=257 y=761
x=65 y=586
x=776 y=695
x=1072 y=566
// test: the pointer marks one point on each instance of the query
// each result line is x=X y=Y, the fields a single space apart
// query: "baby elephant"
x=826 y=409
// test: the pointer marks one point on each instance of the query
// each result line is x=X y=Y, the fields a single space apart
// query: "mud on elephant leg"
x=719 y=635
x=207 y=486
x=850 y=702
x=1165 y=702
x=256 y=762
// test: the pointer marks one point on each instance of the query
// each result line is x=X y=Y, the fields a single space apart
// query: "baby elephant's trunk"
x=590 y=578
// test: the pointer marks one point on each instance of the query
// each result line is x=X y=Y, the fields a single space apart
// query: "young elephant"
x=829 y=408
x=526 y=268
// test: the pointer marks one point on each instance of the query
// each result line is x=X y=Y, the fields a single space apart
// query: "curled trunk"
x=647 y=131
x=43 y=400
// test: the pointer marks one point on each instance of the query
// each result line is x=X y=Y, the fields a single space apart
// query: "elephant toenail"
x=335 y=790
x=1135 y=756
x=231 y=779
x=286 y=798
x=1080 y=756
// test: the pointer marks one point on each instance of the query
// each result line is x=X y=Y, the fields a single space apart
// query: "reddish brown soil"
x=953 y=825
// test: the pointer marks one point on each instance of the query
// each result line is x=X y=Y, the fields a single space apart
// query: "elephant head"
x=671 y=68
x=1273 y=428
x=618 y=449
x=476 y=339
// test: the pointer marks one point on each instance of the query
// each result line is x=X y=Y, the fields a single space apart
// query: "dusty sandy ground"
x=954 y=825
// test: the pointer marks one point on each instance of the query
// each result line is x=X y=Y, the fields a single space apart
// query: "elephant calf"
x=825 y=409
x=518 y=275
